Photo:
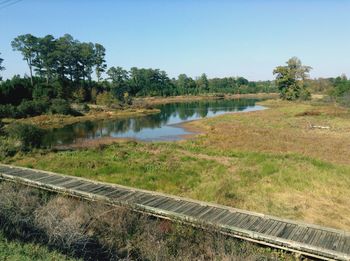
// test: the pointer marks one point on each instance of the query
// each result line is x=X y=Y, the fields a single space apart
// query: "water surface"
x=163 y=126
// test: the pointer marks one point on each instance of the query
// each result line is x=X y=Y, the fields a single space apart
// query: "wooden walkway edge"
x=306 y=239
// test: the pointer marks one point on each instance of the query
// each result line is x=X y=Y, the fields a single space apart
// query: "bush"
x=31 y=108
x=8 y=147
x=28 y=135
x=95 y=231
x=106 y=99
x=27 y=108
x=60 y=106
x=345 y=99
x=86 y=108
x=8 y=111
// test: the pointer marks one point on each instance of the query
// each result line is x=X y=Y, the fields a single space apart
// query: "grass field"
x=19 y=251
x=271 y=161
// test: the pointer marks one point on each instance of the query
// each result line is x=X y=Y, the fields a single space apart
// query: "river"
x=163 y=126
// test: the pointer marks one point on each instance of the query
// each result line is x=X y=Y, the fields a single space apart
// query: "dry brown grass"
x=94 y=231
x=278 y=130
x=58 y=121
x=188 y=98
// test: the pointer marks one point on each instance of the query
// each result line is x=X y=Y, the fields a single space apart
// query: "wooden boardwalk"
x=306 y=239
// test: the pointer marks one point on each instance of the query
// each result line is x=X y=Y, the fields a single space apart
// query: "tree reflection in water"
x=150 y=127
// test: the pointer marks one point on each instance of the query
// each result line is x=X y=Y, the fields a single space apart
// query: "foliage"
x=31 y=108
x=1 y=67
x=106 y=98
x=8 y=111
x=64 y=58
x=341 y=86
x=29 y=136
x=15 y=90
x=290 y=80
x=60 y=106
x=8 y=147
x=320 y=85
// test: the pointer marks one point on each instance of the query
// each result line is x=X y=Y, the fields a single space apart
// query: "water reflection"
x=161 y=126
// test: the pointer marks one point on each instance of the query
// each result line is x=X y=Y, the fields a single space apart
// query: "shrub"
x=79 y=95
x=17 y=205
x=86 y=108
x=95 y=231
x=28 y=135
x=345 y=99
x=106 y=99
x=8 y=147
x=8 y=111
x=64 y=222
x=60 y=106
x=31 y=108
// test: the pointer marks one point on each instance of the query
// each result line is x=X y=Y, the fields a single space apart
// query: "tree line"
x=61 y=71
x=64 y=68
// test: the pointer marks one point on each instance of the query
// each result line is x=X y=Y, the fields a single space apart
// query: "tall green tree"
x=65 y=59
x=203 y=83
x=290 y=80
x=185 y=84
x=1 y=66
x=86 y=59
x=119 y=78
x=27 y=45
x=118 y=75
x=100 y=61
x=45 y=60
x=341 y=86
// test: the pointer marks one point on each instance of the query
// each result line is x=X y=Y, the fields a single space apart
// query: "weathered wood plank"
x=60 y=181
x=73 y=185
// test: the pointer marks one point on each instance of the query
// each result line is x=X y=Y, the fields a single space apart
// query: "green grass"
x=12 y=250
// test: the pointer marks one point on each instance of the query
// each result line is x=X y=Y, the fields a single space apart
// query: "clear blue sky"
x=221 y=38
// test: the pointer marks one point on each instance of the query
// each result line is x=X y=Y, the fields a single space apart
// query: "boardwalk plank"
x=181 y=204
x=316 y=237
x=159 y=202
x=107 y=190
x=188 y=207
x=204 y=212
x=73 y=185
x=218 y=214
x=58 y=182
x=224 y=218
x=258 y=225
x=52 y=179
x=43 y=177
x=198 y=211
x=267 y=226
x=193 y=212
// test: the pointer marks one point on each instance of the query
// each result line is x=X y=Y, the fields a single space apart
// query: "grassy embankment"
x=187 y=98
x=57 y=120
x=13 y=250
x=141 y=107
x=269 y=161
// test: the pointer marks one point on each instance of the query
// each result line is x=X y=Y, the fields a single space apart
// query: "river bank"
x=58 y=120
x=187 y=98
x=141 y=107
